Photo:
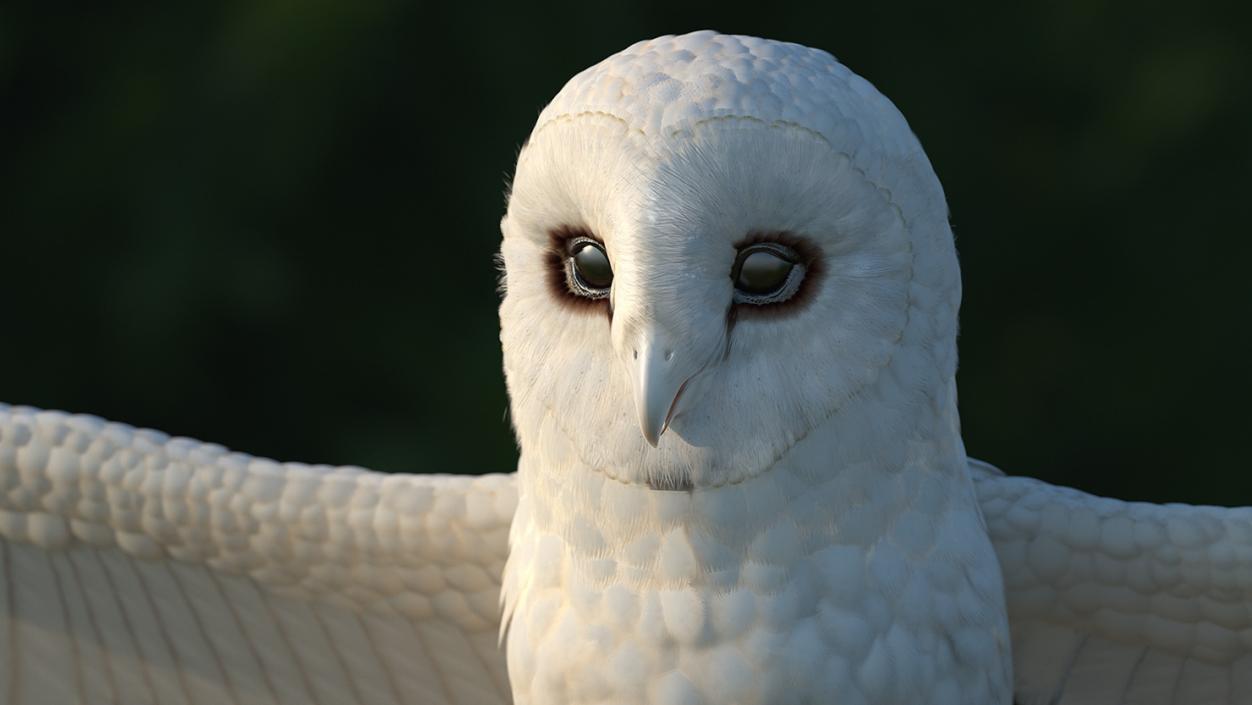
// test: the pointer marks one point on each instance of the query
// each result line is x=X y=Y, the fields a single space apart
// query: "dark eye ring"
x=766 y=273
x=588 y=272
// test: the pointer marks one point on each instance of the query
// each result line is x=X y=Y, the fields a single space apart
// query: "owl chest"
x=679 y=620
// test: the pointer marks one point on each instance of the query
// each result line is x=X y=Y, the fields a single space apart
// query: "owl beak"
x=658 y=383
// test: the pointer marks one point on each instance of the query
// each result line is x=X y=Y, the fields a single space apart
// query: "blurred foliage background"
x=271 y=224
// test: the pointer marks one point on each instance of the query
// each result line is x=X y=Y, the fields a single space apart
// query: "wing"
x=137 y=568
x=1121 y=602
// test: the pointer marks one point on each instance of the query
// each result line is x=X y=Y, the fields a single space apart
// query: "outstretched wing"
x=136 y=568
x=1116 y=602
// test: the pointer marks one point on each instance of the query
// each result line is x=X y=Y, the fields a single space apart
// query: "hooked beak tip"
x=653 y=436
x=651 y=432
x=657 y=387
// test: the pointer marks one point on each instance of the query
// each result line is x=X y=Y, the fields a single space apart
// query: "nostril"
x=636 y=353
x=669 y=355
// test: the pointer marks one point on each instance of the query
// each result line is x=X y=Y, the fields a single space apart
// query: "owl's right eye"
x=766 y=272
x=587 y=269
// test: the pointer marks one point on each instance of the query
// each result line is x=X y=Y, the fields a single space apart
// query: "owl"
x=729 y=319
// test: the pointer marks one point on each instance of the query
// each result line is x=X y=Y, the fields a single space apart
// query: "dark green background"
x=271 y=225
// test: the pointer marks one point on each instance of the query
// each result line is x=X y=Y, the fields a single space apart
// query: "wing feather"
x=138 y=568
x=1121 y=602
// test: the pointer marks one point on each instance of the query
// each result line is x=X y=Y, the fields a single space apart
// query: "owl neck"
x=863 y=476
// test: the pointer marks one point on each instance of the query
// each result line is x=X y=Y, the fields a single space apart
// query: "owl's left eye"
x=766 y=273
x=587 y=269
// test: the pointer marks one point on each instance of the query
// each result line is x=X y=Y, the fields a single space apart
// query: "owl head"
x=715 y=245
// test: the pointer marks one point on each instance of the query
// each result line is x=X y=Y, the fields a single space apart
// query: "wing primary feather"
x=1173 y=693
x=1130 y=677
x=1204 y=683
x=402 y=658
x=287 y=643
x=1155 y=681
x=234 y=615
x=44 y=653
x=75 y=654
x=101 y=646
x=378 y=658
x=1069 y=670
x=146 y=595
x=465 y=684
x=226 y=680
x=338 y=655
x=449 y=695
x=127 y=627
x=9 y=672
x=276 y=619
x=324 y=666
x=1241 y=680
x=500 y=680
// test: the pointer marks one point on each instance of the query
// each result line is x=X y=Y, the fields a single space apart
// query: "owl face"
x=682 y=307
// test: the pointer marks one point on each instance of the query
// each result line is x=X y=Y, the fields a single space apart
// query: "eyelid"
x=774 y=248
x=571 y=245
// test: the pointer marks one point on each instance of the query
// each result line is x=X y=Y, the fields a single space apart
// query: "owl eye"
x=766 y=273
x=587 y=269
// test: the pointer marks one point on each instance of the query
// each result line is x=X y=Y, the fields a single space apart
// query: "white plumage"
x=716 y=502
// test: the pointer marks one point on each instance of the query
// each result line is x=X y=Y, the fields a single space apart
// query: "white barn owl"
x=729 y=332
